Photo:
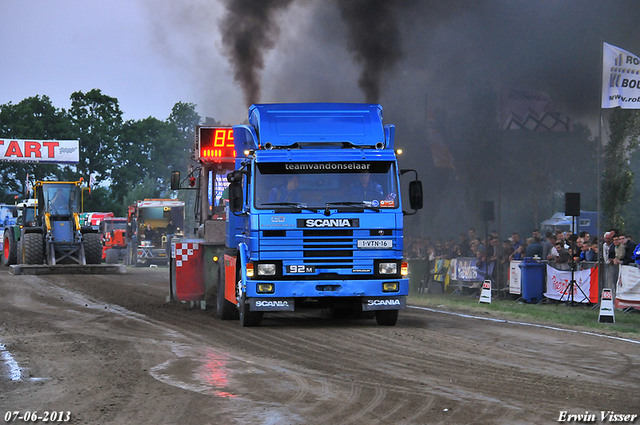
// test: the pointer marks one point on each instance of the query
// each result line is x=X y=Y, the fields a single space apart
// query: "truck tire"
x=92 y=248
x=33 y=248
x=225 y=309
x=387 y=317
x=112 y=256
x=248 y=318
x=9 y=250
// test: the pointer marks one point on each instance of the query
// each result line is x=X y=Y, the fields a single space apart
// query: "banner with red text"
x=51 y=151
x=585 y=288
x=628 y=287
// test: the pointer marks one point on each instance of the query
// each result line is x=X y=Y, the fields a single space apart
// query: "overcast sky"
x=152 y=54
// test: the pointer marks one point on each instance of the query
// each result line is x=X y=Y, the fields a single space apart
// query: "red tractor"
x=114 y=241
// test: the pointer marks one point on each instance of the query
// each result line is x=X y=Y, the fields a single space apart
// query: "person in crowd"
x=586 y=237
x=515 y=241
x=494 y=250
x=171 y=228
x=554 y=252
x=547 y=244
x=463 y=245
x=594 y=250
x=584 y=252
x=480 y=243
x=440 y=252
x=617 y=251
x=577 y=249
x=629 y=248
x=452 y=249
x=606 y=246
x=518 y=253
x=286 y=193
x=536 y=234
x=534 y=249
x=149 y=233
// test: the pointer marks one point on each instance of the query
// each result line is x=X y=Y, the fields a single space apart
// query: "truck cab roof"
x=315 y=125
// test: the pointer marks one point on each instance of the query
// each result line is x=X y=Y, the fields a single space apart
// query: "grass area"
x=577 y=316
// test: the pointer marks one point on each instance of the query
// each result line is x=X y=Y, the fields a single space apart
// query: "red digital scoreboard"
x=216 y=144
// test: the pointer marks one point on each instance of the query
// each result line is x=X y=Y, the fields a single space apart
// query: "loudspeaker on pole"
x=487 y=211
x=572 y=204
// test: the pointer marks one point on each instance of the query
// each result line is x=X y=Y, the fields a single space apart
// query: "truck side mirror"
x=415 y=195
x=175 y=180
x=235 y=196
x=14 y=213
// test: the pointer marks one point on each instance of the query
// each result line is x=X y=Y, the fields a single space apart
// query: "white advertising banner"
x=53 y=151
x=620 y=78
x=515 y=278
x=628 y=287
x=558 y=285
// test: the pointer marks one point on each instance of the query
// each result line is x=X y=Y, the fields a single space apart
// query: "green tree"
x=185 y=119
x=146 y=189
x=617 y=181
x=97 y=122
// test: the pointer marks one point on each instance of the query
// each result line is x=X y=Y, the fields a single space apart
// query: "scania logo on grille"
x=329 y=222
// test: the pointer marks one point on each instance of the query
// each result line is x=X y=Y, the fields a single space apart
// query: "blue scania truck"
x=314 y=215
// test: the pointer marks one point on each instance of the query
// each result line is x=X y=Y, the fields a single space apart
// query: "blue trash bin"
x=532 y=280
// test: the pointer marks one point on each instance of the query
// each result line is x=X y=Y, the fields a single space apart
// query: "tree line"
x=129 y=160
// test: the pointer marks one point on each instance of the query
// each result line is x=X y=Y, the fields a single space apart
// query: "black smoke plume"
x=374 y=39
x=248 y=30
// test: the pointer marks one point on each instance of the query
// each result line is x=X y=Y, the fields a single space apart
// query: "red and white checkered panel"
x=189 y=270
x=185 y=250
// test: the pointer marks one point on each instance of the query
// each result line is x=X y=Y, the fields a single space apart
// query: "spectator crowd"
x=560 y=247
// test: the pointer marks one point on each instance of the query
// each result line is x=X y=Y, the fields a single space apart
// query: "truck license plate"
x=300 y=268
x=375 y=243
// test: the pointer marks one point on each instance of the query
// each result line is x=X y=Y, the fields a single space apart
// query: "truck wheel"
x=9 y=250
x=33 y=249
x=387 y=317
x=225 y=309
x=92 y=248
x=248 y=318
x=112 y=256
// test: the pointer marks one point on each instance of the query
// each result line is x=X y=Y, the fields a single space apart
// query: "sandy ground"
x=108 y=349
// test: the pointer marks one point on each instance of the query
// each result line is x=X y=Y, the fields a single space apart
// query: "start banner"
x=628 y=287
x=585 y=289
x=52 y=151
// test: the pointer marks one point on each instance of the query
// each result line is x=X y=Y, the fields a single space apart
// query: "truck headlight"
x=266 y=269
x=388 y=268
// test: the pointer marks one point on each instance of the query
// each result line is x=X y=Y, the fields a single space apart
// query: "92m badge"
x=300 y=268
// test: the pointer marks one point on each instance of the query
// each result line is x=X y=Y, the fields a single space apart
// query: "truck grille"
x=330 y=251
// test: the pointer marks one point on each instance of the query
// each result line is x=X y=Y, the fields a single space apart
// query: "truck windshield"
x=314 y=185
x=57 y=198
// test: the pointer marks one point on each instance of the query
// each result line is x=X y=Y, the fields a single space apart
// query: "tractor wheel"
x=387 y=317
x=112 y=256
x=33 y=248
x=9 y=250
x=226 y=310
x=248 y=318
x=92 y=248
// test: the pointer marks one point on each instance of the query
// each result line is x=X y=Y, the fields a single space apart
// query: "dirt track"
x=109 y=350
